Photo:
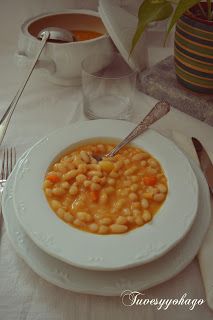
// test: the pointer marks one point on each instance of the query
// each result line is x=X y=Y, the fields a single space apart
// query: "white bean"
x=47 y=184
x=93 y=227
x=159 y=197
x=84 y=216
x=68 y=217
x=103 y=229
x=128 y=172
x=93 y=166
x=146 y=216
x=145 y=155
x=103 y=198
x=95 y=173
x=87 y=183
x=134 y=187
x=126 y=212
x=60 y=212
x=65 y=185
x=144 y=203
x=58 y=191
x=111 y=181
x=134 y=178
x=95 y=186
x=101 y=147
x=133 y=196
x=124 y=192
x=73 y=190
x=109 y=190
x=151 y=171
x=136 y=205
x=93 y=160
x=78 y=223
x=96 y=179
x=143 y=163
x=126 y=161
x=114 y=174
x=118 y=165
x=70 y=174
x=67 y=202
x=136 y=212
x=48 y=192
x=80 y=178
x=152 y=163
x=137 y=157
x=84 y=156
x=127 y=183
x=119 y=204
x=82 y=168
x=61 y=167
x=130 y=219
x=118 y=228
x=121 y=220
x=162 y=188
x=106 y=221
x=139 y=221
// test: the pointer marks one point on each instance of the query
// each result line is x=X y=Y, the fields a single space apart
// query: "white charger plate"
x=111 y=252
x=105 y=283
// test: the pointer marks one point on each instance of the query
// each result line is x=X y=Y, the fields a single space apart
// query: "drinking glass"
x=108 y=85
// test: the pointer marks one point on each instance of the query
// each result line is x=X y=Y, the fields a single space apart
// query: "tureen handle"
x=23 y=60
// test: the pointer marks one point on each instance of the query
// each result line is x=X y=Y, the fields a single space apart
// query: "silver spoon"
x=45 y=34
x=160 y=109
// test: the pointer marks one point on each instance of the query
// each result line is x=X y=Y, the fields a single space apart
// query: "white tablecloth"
x=25 y=296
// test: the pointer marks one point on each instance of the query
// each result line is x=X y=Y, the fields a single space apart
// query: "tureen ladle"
x=56 y=34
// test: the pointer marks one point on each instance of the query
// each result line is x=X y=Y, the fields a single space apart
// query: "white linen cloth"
x=205 y=255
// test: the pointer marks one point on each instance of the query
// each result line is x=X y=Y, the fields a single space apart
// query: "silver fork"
x=8 y=163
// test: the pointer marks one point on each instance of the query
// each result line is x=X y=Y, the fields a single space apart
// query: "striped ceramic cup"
x=194 y=53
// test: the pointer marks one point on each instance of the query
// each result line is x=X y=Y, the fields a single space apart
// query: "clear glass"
x=108 y=85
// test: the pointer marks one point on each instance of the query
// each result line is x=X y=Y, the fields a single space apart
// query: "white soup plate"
x=111 y=252
x=113 y=282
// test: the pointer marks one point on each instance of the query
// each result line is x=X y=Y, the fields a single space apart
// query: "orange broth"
x=113 y=196
x=82 y=35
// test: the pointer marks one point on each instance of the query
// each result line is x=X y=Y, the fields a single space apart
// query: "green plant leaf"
x=149 y=11
x=181 y=8
x=209 y=4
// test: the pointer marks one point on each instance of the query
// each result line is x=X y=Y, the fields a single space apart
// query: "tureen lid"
x=121 y=26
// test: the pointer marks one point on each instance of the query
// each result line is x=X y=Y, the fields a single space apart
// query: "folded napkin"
x=205 y=255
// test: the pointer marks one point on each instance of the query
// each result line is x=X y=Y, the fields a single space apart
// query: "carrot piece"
x=53 y=178
x=94 y=195
x=150 y=181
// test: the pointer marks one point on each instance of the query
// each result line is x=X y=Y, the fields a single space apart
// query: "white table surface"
x=43 y=108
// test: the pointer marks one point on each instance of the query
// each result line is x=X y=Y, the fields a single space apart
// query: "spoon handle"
x=4 y=122
x=158 y=111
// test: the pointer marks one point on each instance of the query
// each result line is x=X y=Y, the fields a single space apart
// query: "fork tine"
x=7 y=163
x=3 y=166
x=14 y=162
x=12 y=158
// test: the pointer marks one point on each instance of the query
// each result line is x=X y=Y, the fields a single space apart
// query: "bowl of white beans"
x=111 y=214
